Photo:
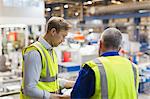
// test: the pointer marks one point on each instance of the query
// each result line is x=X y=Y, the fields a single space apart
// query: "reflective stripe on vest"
x=103 y=78
x=48 y=78
x=135 y=76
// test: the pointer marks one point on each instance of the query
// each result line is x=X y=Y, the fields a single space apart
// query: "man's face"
x=59 y=37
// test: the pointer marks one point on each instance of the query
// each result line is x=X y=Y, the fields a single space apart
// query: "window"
x=21 y=3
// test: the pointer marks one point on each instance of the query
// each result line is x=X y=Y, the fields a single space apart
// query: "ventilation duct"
x=127 y=7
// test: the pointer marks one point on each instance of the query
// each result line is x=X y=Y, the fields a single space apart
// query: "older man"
x=40 y=67
x=109 y=76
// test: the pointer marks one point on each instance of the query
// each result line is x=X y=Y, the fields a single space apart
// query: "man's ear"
x=119 y=49
x=100 y=46
x=53 y=31
x=100 y=43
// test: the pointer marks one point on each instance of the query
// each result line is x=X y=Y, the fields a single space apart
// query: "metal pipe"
x=127 y=7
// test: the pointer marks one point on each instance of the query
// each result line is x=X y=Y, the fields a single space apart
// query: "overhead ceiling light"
x=76 y=13
x=89 y=2
x=57 y=8
x=66 y=6
x=48 y=9
x=142 y=11
x=116 y=2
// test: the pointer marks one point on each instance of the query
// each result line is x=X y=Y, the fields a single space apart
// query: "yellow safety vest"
x=116 y=78
x=48 y=78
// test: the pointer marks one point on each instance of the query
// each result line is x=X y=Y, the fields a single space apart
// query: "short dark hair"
x=58 y=23
x=112 y=38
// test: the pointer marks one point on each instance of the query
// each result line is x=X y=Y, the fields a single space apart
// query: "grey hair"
x=112 y=38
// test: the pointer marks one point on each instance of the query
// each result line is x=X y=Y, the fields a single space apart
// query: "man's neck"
x=111 y=50
x=47 y=39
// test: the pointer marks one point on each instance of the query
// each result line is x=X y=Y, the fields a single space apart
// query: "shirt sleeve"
x=85 y=84
x=32 y=71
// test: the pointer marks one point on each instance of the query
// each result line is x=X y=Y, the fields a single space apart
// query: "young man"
x=40 y=67
x=109 y=76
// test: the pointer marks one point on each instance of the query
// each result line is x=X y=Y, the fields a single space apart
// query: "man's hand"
x=69 y=84
x=57 y=96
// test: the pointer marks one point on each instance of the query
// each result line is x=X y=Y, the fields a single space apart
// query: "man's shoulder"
x=86 y=70
x=32 y=54
x=92 y=63
x=30 y=49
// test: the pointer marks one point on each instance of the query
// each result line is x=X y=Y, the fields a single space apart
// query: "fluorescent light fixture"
x=142 y=11
x=116 y=2
x=48 y=9
x=140 y=0
x=76 y=13
x=89 y=2
x=57 y=8
x=66 y=6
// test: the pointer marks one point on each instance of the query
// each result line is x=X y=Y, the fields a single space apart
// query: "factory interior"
x=22 y=22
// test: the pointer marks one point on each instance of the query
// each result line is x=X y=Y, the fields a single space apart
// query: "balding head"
x=111 y=39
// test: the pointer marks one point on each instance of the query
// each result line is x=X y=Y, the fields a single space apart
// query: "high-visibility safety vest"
x=116 y=78
x=48 y=78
